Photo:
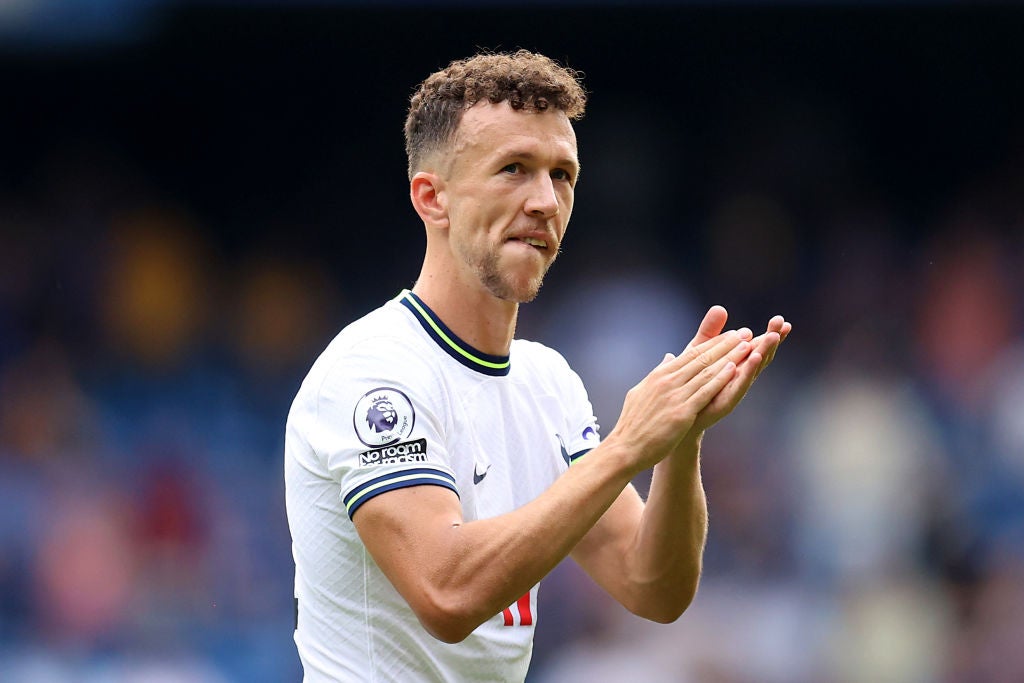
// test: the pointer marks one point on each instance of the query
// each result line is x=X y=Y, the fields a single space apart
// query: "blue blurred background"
x=195 y=196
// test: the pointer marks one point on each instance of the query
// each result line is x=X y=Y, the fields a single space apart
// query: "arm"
x=649 y=556
x=456 y=575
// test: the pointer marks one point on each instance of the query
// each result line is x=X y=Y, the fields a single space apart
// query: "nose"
x=542 y=202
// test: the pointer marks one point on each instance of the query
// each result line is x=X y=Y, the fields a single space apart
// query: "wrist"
x=620 y=457
x=689 y=446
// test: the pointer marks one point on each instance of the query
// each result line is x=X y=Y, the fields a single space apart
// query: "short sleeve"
x=582 y=428
x=380 y=423
x=581 y=432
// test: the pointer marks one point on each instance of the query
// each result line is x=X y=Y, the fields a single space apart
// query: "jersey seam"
x=370 y=649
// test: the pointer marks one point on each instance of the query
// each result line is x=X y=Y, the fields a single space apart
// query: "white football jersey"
x=398 y=400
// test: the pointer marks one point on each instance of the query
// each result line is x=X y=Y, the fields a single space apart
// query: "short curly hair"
x=528 y=81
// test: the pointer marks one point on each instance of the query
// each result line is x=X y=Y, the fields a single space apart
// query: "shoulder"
x=544 y=368
x=382 y=348
x=387 y=324
x=382 y=340
x=538 y=356
x=373 y=383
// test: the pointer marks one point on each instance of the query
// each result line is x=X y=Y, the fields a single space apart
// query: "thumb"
x=711 y=326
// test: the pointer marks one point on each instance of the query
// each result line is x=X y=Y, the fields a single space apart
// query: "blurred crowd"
x=143 y=391
x=866 y=500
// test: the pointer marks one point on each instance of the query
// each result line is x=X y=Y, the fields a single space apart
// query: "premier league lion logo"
x=383 y=416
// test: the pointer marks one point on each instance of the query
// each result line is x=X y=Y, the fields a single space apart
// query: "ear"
x=426 y=190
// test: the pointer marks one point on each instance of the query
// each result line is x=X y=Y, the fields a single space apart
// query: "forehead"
x=498 y=129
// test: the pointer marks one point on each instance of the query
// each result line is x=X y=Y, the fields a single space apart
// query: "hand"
x=762 y=352
x=664 y=406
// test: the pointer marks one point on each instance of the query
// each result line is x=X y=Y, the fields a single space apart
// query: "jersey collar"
x=485 y=363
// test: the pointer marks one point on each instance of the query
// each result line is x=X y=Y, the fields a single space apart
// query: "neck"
x=478 y=317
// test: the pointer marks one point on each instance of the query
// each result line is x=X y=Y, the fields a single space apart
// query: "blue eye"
x=561 y=174
x=511 y=168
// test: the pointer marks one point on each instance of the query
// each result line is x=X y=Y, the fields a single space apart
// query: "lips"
x=537 y=240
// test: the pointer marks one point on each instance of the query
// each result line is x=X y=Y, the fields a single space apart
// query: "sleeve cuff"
x=578 y=455
x=396 y=480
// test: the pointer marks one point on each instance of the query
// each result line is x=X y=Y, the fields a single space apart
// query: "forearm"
x=648 y=555
x=664 y=564
x=497 y=560
x=462 y=574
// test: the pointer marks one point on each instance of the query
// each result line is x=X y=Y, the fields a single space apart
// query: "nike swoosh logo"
x=478 y=476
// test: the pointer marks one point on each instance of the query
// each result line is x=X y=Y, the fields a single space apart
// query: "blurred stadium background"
x=194 y=197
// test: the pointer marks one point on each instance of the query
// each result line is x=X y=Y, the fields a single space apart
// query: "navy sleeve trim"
x=418 y=476
x=579 y=454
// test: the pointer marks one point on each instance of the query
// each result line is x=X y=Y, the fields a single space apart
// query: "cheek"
x=473 y=213
x=566 y=199
x=565 y=211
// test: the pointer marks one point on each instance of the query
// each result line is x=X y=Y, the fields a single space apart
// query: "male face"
x=510 y=191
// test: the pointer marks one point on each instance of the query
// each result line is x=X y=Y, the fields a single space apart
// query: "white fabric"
x=513 y=432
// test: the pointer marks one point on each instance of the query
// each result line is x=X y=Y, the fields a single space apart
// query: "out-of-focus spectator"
x=735 y=632
x=44 y=413
x=966 y=316
x=85 y=569
x=155 y=295
x=986 y=648
x=279 y=313
x=862 y=449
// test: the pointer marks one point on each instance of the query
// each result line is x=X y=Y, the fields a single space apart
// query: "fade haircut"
x=527 y=80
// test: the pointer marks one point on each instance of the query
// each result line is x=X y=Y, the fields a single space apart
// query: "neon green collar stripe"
x=442 y=334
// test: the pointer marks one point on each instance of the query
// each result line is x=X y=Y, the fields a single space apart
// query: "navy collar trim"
x=497 y=366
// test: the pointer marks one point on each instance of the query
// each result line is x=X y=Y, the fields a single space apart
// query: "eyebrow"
x=530 y=156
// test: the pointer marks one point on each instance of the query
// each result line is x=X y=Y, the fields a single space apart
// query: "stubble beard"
x=501 y=283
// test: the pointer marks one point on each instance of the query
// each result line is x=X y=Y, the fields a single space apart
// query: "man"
x=435 y=467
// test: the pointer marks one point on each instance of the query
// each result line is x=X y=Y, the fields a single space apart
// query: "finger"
x=769 y=345
x=763 y=347
x=763 y=341
x=712 y=354
x=779 y=324
x=695 y=350
x=769 y=340
x=762 y=353
x=741 y=382
x=741 y=351
x=709 y=383
x=711 y=326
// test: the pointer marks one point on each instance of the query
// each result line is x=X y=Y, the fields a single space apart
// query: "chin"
x=512 y=280
x=516 y=292
x=527 y=297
